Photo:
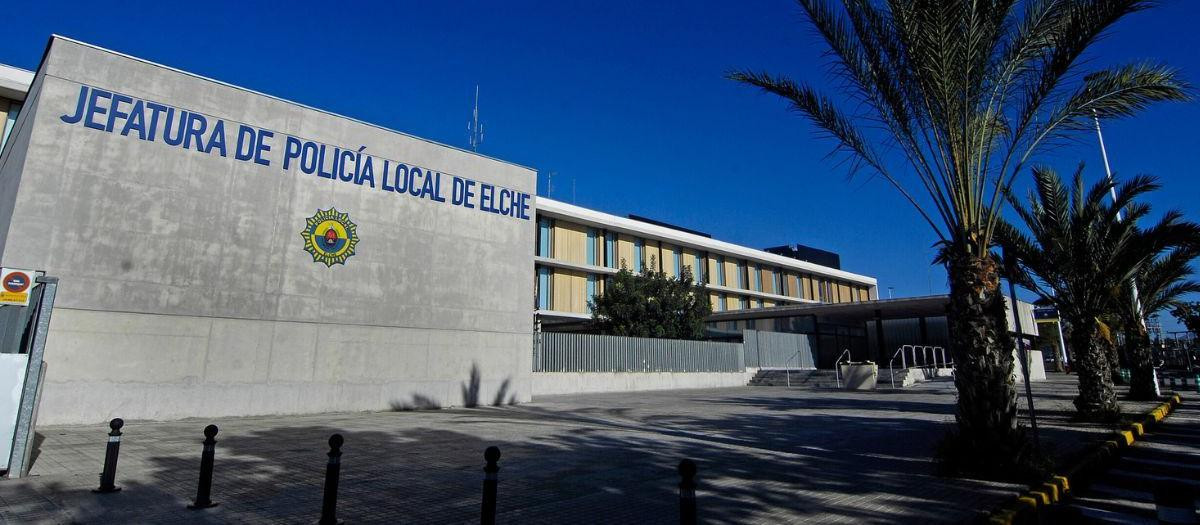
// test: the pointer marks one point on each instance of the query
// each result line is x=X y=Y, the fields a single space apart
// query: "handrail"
x=892 y=361
x=926 y=353
x=837 y=368
x=788 y=371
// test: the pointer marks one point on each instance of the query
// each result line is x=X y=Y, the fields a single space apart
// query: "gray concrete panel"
x=184 y=272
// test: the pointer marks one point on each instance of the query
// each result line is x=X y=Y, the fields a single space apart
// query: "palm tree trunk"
x=1097 y=400
x=1141 y=364
x=1114 y=360
x=983 y=354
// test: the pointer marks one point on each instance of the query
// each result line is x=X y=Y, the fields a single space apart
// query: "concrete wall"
x=554 y=383
x=186 y=291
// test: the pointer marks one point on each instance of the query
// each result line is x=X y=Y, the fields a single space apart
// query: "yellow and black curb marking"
x=1027 y=506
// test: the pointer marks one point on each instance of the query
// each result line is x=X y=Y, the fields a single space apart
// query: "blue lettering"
x=94 y=110
x=456 y=191
x=505 y=201
x=467 y=194
x=137 y=121
x=384 y=185
x=427 y=186
x=261 y=147
x=217 y=139
x=79 y=105
x=524 y=214
x=486 y=194
x=115 y=112
x=155 y=109
x=245 y=143
x=321 y=163
x=291 y=150
x=178 y=138
x=437 y=188
x=308 y=161
x=194 y=130
x=363 y=171
x=402 y=180
x=413 y=174
x=341 y=166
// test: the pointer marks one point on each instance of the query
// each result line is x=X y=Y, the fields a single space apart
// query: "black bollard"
x=204 y=488
x=687 y=492
x=490 y=481
x=332 y=471
x=108 y=477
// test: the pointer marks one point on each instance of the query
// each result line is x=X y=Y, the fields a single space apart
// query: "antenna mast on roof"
x=474 y=128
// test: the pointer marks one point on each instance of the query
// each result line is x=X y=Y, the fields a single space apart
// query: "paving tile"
x=765 y=455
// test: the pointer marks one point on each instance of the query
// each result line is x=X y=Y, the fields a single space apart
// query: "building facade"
x=225 y=252
x=14 y=83
x=578 y=248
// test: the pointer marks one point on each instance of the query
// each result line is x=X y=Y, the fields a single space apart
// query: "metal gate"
x=22 y=345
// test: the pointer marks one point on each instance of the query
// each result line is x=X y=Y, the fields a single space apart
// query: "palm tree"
x=962 y=94
x=1161 y=284
x=1081 y=257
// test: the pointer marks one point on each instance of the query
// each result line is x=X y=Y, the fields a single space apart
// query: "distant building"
x=578 y=249
x=807 y=253
x=14 y=82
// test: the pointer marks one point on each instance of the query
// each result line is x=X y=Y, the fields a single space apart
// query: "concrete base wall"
x=172 y=367
x=552 y=383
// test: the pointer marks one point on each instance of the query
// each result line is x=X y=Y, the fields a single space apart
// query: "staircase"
x=800 y=378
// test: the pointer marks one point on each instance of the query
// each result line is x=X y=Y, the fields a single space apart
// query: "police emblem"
x=330 y=237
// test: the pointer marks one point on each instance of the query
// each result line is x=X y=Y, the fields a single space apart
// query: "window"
x=758 y=303
x=741 y=275
x=591 y=246
x=678 y=263
x=698 y=270
x=543 y=288
x=720 y=302
x=775 y=281
x=544 y=226
x=9 y=121
x=721 y=270
x=610 y=242
x=757 y=278
x=639 y=247
x=591 y=293
x=743 y=303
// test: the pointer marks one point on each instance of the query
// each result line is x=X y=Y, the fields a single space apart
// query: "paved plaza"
x=765 y=455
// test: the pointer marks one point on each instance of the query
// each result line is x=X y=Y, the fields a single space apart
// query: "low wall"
x=552 y=383
x=162 y=367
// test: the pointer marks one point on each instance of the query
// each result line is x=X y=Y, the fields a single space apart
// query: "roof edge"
x=57 y=36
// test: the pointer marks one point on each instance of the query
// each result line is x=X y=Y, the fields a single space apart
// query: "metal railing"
x=837 y=366
x=787 y=370
x=569 y=352
x=922 y=362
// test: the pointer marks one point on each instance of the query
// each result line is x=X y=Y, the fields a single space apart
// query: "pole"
x=1112 y=193
x=1011 y=266
x=1062 y=343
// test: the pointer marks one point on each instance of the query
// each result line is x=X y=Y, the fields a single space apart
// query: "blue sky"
x=624 y=101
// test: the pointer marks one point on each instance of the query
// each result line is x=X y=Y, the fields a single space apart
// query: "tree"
x=652 y=304
x=967 y=92
x=1189 y=315
x=1160 y=284
x=1082 y=256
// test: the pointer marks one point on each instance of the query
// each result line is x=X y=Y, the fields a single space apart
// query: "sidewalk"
x=1169 y=452
x=765 y=455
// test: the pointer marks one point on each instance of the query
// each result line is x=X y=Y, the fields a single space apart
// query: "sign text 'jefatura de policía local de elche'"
x=150 y=121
